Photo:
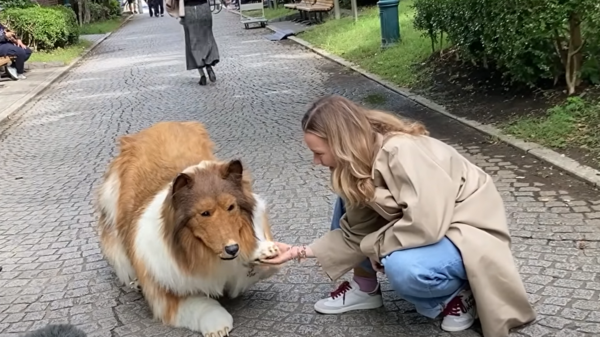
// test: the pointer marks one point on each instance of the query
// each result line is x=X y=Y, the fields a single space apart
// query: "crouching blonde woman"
x=412 y=207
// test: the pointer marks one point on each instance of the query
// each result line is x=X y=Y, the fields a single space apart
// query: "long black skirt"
x=200 y=46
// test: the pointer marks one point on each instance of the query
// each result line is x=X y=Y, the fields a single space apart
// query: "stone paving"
x=54 y=151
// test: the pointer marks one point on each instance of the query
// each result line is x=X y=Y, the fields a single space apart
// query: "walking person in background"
x=154 y=6
x=201 y=49
x=131 y=4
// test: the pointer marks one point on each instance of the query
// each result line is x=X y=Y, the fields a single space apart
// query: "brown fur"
x=213 y=211
x=148 y=162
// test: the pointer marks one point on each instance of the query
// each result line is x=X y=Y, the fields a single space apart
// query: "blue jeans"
x=428 y=277
x=21 y=55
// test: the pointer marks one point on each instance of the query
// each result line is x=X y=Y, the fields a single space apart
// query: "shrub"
x=16 y=3
x=43 y=28
x=527 y=40
x=114 y=9
x=98 y=10
x=71 y=24
x=105 y=11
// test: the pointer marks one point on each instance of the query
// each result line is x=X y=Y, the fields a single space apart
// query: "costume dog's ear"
x=233 y=171
x=182 y=181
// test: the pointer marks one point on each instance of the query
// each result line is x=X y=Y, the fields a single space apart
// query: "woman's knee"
x=429 y=271
x=405 y=276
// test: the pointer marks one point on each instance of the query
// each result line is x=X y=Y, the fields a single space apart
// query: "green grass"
x=360 y=43
x=102 y=27
x=375 y=99
x=575 y=123
x=66 y=55
x=271 y=13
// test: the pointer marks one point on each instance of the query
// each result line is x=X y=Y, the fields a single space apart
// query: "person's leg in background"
x=155 y=7
x=433 y=278
x=151 y=10
x=21 y=55
x=202 y=76
x=161 y=6
x=362 y=292
x=132 y=6
x=28 y=53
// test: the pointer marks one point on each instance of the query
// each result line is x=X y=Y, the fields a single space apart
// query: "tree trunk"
x=88 y=15
x=80 y=11
x=574 y=55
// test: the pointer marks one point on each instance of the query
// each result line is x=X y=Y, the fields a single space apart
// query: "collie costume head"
x=210 y=207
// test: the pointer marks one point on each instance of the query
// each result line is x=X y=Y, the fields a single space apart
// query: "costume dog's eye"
x=205 y=213
x=231 y=208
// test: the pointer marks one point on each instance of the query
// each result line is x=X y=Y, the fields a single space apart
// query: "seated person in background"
x=11 y=45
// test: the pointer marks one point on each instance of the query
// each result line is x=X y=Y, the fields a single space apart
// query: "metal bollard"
x=390 y=25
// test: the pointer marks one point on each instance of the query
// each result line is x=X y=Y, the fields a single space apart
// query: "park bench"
x=317 y=7
x=4 y=62
x=293 y=5
x=308 y=7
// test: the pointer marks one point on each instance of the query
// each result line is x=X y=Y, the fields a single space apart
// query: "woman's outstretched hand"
x=288 y=253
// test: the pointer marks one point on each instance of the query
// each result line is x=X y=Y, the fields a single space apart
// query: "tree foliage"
x=527 y=40
x=42 y=28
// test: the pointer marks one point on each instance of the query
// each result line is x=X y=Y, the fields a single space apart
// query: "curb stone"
x=54 y=76
x=44 y=65
x=563 y=162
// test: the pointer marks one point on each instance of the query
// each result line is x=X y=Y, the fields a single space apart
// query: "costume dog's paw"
x=266 y=250
x=135 y=285
x=217 y=323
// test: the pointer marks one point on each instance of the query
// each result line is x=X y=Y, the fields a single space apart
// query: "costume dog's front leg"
x=197 y=313
x=205 y=315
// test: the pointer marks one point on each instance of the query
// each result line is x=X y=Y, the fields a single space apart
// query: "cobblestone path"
x=53 y=153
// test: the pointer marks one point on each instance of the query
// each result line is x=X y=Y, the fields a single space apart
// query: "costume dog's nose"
x=232 y=249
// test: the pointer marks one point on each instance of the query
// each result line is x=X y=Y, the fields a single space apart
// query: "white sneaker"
x=348 y=297
x=460 y=313
x=12 y=72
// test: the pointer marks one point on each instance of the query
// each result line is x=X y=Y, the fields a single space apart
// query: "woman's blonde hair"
x=351 y=133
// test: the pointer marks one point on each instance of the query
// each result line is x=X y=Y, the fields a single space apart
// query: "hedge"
x=527 y=40
x=43 y=28
x=100 y=12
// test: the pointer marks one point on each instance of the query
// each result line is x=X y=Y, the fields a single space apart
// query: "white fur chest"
x=151 y=249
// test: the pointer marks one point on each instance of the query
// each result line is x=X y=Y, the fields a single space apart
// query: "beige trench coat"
x=425 y=189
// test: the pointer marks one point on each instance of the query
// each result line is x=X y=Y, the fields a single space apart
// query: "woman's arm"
x=337 y=251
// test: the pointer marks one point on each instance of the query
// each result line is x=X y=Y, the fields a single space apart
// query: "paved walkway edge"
x=54 y=75
x=567 y=164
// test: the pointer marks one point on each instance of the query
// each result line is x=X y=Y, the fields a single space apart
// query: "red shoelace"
x=456 y=306
x=341 y=290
